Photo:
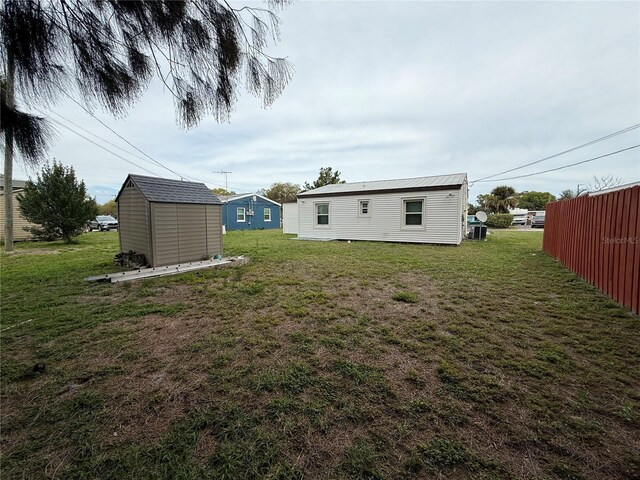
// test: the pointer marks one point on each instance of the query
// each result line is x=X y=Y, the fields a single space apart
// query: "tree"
x=222 y=191
x=604 y=182
x=109 y=51
x=326 y=177
x=566 y=195
x=472 y=209
x=281 y=192
x=484 y=202
x=535 y=200
x=502 y=199
x=58 y=203
x=108 y=208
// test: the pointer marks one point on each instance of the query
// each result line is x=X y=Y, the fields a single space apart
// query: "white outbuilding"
x=415 y=210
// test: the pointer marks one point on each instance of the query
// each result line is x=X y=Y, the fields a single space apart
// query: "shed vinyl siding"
x=289 y=218
x=133 y=222
x=192 y=232
x=164 y=227
x=441 y=218
x=214 y=229
x=19 y=222
x=185 y=232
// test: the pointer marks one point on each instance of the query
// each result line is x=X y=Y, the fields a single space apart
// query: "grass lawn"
x=317 y=360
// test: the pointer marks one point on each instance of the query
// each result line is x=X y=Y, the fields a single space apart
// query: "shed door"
x=165 y=233
x=192 y=232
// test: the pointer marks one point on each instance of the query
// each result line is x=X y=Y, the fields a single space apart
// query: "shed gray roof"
x=166 y=190
x=401 y=185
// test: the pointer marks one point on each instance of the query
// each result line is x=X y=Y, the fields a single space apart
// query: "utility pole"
x=578 y=192
x=226 y=182
x=8 y=158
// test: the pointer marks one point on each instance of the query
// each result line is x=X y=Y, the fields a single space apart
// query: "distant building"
x=249 y=211
x=19 y=222
x=290 y=217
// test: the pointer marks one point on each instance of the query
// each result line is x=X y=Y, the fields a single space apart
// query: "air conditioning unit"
x=478 y=232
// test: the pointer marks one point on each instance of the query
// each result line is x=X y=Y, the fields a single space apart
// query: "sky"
x=386 y=90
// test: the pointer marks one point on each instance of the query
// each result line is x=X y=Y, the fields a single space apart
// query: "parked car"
x=103 y=223
x=537 y=221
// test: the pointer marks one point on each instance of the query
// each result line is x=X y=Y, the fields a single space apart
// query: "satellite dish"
x=481 y=216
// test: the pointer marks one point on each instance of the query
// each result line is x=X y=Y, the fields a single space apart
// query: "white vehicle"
x=519 y=216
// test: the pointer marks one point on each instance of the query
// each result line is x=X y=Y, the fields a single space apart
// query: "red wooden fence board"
x=624 y=232
x=597 y=237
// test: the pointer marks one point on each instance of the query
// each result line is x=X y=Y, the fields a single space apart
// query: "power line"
x=620 y=132
x=121 y=137
x=157 y=162
x=562 y=167
x=98 y=136
x=103 y=147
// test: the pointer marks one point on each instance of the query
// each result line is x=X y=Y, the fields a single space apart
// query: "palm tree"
x=503 y=198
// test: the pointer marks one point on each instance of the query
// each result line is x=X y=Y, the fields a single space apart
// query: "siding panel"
x=443 y=218
x=214 y=229
x=164 y=228
x=19 y=222
x=133 y=222
x=255 y=221
x=289 y=218
x=192 y=235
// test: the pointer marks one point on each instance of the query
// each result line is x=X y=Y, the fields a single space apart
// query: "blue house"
x=248 y=211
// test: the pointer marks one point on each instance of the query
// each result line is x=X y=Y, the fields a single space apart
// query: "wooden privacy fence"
x=597 y=236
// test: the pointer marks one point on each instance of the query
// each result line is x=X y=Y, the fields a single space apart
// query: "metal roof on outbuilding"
x=437 y=182
x=166 y=190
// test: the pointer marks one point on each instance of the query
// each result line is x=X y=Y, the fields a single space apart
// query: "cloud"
x=390 y=91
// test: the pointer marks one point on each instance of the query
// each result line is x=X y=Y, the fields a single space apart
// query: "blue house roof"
x=239 y=196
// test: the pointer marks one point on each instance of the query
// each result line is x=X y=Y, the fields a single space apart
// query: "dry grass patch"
x=301 y=365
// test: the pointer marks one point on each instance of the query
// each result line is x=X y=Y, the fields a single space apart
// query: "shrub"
x=499 y=220
x=58 y=203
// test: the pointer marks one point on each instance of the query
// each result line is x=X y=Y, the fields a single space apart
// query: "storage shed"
x=169 y=221
x=247 y=211
x=416 y=210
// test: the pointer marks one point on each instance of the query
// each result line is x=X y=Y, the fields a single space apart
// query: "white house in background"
x=415 y=210
x=290 y=217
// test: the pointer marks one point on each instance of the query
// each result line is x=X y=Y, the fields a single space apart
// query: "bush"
x=58 y=203
x=499 y=220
